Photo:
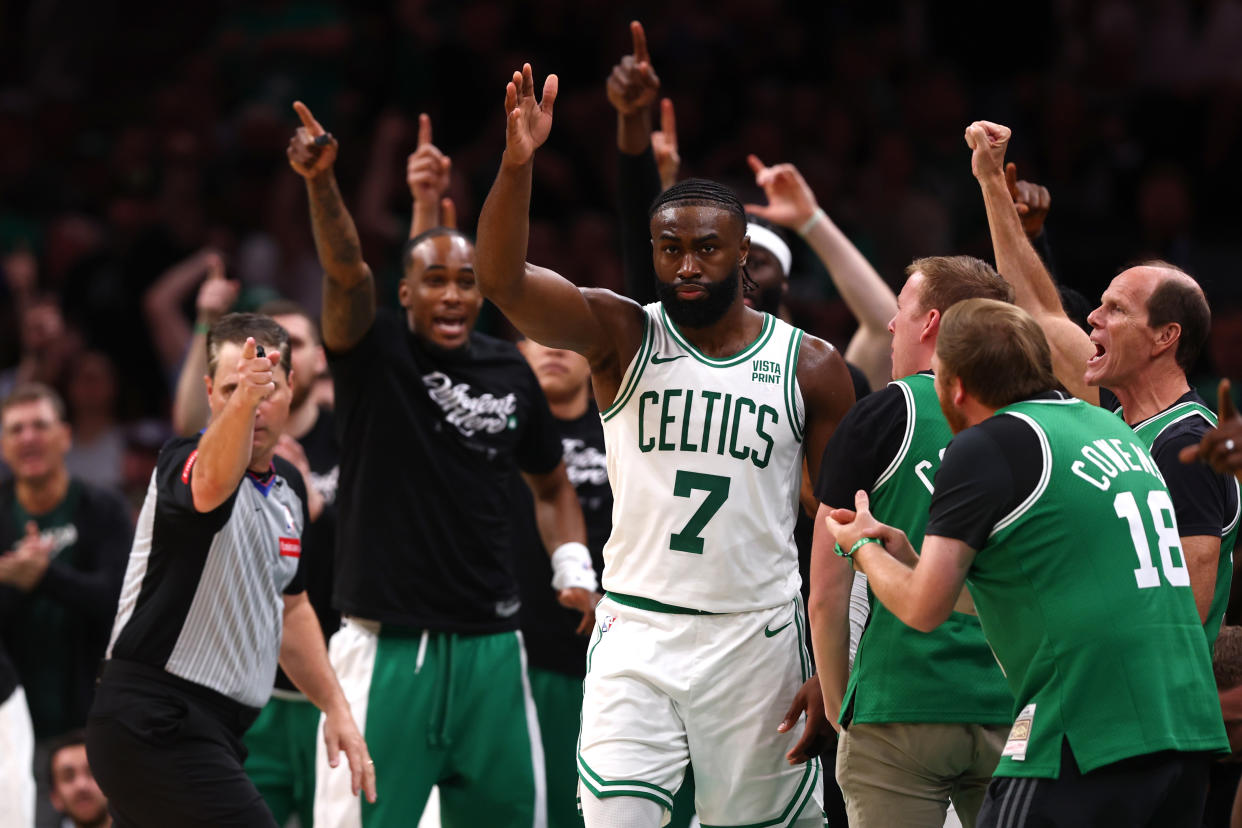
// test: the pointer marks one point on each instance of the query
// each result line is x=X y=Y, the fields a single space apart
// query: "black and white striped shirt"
x=203 y=590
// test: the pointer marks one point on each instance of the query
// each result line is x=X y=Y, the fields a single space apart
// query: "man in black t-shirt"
x=435 y=423
x=213 y=598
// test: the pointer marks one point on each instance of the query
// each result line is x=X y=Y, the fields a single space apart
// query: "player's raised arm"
x=348 y=286
x=541 y=304
x=792 y=204
x=1017 y=261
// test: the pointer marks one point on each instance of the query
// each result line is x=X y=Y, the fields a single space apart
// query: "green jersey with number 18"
x=705 y=461
x=1085 y=598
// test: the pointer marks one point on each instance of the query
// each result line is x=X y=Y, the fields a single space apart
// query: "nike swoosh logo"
x=769 y=633
x=659 y=360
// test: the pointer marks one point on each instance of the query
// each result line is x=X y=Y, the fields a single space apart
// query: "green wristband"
x=858 y=544
x=202 y=328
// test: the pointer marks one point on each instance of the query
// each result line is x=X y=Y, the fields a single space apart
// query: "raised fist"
x=987 y=142
x=633 y=84
x=427 y=169
x=254 y=374
x=312 y=149
x=529 y=120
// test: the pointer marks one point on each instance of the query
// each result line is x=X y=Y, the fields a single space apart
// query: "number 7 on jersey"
x=717 y=488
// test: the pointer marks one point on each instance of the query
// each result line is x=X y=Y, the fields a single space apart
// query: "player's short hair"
x=1180 y=300
x=288 y=307
x=407 y=252
x=948 y=280
x=996 y=349
x=700 y=192
x=27 y=392
x=237 y=327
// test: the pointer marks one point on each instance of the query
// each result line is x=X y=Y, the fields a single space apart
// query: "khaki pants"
x=903 y=775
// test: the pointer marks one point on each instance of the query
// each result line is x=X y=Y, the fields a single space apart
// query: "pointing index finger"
x=640 y=42
x=424 y=129
x=756 y=166
x=668 y=120
x=308 y=120
x=1225 y=409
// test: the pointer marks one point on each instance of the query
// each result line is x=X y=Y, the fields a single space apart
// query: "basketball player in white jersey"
x=708 y=408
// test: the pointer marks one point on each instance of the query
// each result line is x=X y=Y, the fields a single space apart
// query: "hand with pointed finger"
x=254 y=374
x=633 y=84
x=1220 y=448
x=809 y=699
x=987 y=142
x=427 y=169
x=312 y=149
x=583 y=601
x=1032 y=200
x=529 y=121
x=340 y=733
x=790 y=199
x=217 y=293
x=664 y=145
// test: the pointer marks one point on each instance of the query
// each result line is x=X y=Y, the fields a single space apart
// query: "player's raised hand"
x=529 y=120
x=1032 y=200
x=633 y=84
x=427 y=169
x=312 y=149
x=1220 y=448
x=217 y=293
x=254 y=373
x=664 y=145
x=987 y=142
x=790 y=199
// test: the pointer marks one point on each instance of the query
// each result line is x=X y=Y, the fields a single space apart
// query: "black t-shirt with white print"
x=547 y=627
x=431 y=443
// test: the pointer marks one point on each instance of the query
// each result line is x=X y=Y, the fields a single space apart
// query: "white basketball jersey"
x=705 y=461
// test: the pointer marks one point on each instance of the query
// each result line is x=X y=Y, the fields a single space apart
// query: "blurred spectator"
x=67 y=542
x=74 y=793
x=98 y=451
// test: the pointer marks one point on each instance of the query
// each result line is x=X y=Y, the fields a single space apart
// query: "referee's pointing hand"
x=254 y=373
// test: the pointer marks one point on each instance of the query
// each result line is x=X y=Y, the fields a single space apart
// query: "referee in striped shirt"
x=213 y=598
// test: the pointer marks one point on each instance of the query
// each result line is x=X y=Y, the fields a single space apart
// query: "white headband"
x=761 y=236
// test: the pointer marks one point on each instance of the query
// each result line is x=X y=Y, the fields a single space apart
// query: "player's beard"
x=699 y=313
x=957 y=421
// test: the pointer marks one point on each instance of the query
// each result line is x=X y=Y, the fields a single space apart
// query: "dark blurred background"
x=135 y=135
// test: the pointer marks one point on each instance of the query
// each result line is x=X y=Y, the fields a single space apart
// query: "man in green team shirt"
x=923 y=715
x=1145 y=336
x=1055 y=515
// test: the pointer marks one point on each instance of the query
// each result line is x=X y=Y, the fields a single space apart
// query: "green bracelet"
x=858 y=544
x=202 y=328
